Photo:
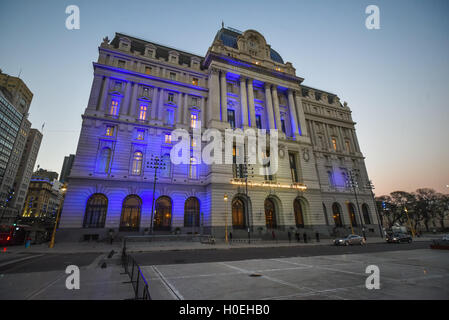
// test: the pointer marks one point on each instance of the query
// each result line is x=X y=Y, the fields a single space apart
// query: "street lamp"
x=225 y=198
x=58 y=216
x=155 y=163
x=351 y=181
x=247 y=170
x=370 y=186
x=409 y=222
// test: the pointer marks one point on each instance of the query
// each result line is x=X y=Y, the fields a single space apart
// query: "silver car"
x=349 y=240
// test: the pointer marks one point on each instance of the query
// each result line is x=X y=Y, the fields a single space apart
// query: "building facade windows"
x=113 y=111
x=193 y=168
x=140 y=134
x=110 y=131
x=95 y=214
x=167 y=138
x=137 y=163
x=336 y=210
x=163 y=214
x=293 y=171
x=105 y=160
x=148 y=70
x=171 y=97
x=299 y=213
x=143 y=112
x=231 y=118
x=334 y=144
x=238 y=214
x=270 y=214
x=352 y=217
x=258 y=121
x=195 y=81
x=192 y=212
x=170 y=117
x=194 y=121
x=131 y=210
x=366 y=217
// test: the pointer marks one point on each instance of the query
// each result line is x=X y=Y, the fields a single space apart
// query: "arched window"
x=131 y=209
x=299 y=216
x=336 y=210
x=238 y=214
x=137 y=163
x=270 y=213
x=365 y=210
x=162 y=214
x=192 y=212
x=96 y=208
x=105 y=159
x=352 y=217
x=325 y=214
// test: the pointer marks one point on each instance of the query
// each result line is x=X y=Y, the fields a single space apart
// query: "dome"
x=229 y=39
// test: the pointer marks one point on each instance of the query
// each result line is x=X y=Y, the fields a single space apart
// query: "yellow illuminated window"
x=143 y=112
x=109 y=131
x=114 y=107
x=348 y=146
x=334 y=143
x=147 y=70
x=167 y=138
x=140 y=134
x=193 y=120
x=195 y=81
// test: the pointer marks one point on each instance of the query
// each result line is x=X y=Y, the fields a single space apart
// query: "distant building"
x=15 y=100
x=66 y=167
x=45 y=175
x=43 y=199
x=26 y=167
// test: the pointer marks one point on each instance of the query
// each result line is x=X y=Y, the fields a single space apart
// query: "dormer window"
x=121 y=64
x=172 y=76
x=125 y=44
x=148 y=70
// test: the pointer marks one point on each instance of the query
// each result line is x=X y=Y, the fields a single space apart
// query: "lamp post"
x=155 y=163
x=225 y=198
x=370 y=186
x=246 y=172
x=409 y=222
x=351 y=181
x=58 y=216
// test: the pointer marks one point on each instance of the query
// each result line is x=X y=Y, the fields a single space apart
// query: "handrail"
x=135 y=272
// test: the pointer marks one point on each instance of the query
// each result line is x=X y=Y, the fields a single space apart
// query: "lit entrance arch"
x=336 y=212
x=163 y=214
x=300 y=209
x=131 y=209
x=352 y=214
x=238 y=213
x=270 y=213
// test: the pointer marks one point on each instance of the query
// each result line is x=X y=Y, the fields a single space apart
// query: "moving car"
x=398 y=238
x=350 y=240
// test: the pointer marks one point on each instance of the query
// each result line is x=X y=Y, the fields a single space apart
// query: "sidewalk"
x=96 y=247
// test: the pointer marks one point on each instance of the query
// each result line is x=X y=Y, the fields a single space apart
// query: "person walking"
x=297 y=235
x=289 y=234
x=111 y=235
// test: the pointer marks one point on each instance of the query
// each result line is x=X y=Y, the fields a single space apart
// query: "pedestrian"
x=289 y=237
x=111 y=235
x=230 y=236
x=297 y=235
x=273 y=235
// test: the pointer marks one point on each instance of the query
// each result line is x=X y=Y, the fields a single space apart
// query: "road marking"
x=20 y=259
x=171 y=289
x=96 y=261
x=39 y=291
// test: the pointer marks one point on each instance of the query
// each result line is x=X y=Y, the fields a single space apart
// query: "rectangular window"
x=195 y=81
x=170 y=117
x=172 y=76
x=193 y=173
x=121 y=63
x=171 y=97
x=147 y=70
x=195 y=102
x=118 y=86
x=231 y=118
x=143 y=112
x=140 y=134
x=258 y=121
x=348 y=146
x=167 y=138
x=293 y=170
x=109 y=131
x=193 y=120
x=334 y=144
x=114 y=107
x=330 y=178
x=146 y=91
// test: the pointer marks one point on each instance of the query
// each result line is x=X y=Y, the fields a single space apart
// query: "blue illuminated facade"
x=142 y=91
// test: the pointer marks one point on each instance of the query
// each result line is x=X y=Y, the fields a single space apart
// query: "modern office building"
x=142 y=91
x=15 y=100
x=66 y=168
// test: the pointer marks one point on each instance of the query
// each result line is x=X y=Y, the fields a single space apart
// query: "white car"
x=445 y=237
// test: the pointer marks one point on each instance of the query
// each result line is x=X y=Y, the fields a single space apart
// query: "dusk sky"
x=395 y=79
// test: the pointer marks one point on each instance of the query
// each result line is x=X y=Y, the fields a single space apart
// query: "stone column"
x=213 y=108
x=95 y=92
x=202 y=113
x=252 y=108
x=125 y=108
x=104 y=93
x=269 y=106
x=292 y=108
x=154 y=99
x=224 y=97
x=132 y=102
x=300 y=112
x=160 y=105
x=186 y=110
x=277 y=115
x=356 y=142
x=179 y=110
x=243 y=102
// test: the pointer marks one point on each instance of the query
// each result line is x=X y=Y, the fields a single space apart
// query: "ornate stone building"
x=141 y=91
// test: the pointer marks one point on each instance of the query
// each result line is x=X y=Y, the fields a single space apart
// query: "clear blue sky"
x=395 y=80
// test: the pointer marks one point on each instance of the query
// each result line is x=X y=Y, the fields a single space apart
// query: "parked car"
x=398 y=238
x=349 y=240
x=445 y=237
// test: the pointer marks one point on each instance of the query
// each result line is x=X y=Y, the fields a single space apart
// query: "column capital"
x=267 y=85
x=214 y=71
x=243 y=78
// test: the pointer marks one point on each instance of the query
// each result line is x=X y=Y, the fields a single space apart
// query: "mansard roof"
x=162 y=51
x=229 y=38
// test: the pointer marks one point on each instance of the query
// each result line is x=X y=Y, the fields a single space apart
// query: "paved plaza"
x=410 y=274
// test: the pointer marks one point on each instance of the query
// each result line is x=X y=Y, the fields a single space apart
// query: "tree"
x=442 y=208
x=425 y=206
